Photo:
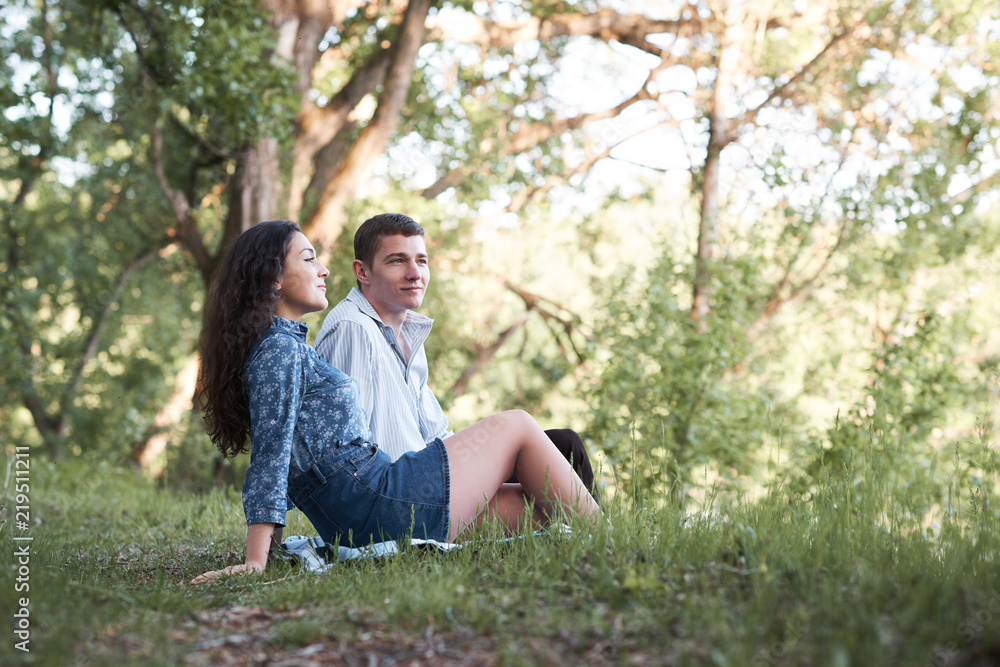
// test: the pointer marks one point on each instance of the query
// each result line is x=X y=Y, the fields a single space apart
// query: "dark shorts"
x=357 y=495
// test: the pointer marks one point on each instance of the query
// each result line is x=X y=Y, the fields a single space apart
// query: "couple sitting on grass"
x=352 y=435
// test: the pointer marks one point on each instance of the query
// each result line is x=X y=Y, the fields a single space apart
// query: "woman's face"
x=302 y=285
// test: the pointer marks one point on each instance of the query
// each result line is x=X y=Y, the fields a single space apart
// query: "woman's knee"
x=508 y=423
x=517 y=420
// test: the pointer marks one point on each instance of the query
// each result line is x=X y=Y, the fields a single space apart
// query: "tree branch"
x=185 y=229
x=325 y=222
x=534 y=301
x=529 y=195
x=776 y=300
x=218 y=154
x=606 y=25
x=319 y=125
x=93 y=339
x=485 y=355
x=778 y=92
x=535 y=133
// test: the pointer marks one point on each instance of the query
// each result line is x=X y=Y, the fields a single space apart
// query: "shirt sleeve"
x=348 y=347
x=436 y=420
x=275 y=381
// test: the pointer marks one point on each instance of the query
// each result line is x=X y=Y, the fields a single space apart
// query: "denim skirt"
x=357 y=495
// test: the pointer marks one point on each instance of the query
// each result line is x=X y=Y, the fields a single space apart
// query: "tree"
x=857 y=175
x=226 y=114
x=212 y=134
x=79 y=220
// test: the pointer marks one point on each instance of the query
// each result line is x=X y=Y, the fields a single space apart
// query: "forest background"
x=727 y=242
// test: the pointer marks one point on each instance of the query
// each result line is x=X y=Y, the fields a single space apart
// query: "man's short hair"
x=368 y=238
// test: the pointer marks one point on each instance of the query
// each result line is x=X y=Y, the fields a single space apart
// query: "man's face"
x=398 y=277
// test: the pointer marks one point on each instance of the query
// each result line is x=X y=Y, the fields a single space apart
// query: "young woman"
x=308 y=438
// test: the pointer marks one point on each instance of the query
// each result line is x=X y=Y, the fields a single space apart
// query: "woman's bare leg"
x=508 y=505
x=482 y=456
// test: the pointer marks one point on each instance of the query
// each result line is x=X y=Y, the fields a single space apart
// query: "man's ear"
x=360 y=272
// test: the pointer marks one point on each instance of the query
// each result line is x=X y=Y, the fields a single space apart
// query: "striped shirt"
x=403 y=413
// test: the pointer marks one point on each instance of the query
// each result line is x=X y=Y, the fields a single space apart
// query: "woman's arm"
x=258 y=543
x=278 y=367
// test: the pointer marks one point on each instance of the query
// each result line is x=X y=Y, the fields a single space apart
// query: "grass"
x=847 y=576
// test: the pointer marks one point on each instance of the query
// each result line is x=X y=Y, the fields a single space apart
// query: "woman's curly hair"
x=240 y=306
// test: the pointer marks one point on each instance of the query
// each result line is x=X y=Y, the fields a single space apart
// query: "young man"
x=375 y=336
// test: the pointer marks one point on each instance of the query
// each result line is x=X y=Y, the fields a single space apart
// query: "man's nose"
x=412 y=271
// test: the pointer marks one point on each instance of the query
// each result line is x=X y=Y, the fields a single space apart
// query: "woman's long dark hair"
x=240 y=306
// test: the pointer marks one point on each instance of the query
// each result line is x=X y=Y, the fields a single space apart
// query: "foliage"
x=98 y=303
x=687 y=393
x=915 y=386
x=794 y=390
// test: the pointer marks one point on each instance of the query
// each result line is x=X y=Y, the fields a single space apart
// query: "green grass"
x=847 y=576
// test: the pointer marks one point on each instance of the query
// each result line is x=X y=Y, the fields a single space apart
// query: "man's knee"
x=568 y=442
x=570 y=445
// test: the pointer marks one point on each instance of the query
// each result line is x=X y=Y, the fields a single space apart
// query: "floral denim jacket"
x=301 y=408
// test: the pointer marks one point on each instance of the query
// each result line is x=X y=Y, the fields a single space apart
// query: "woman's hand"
x=258 y=541
x=232 y=569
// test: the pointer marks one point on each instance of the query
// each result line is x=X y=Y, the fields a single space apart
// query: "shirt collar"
x=298 y=329
x=413 y=318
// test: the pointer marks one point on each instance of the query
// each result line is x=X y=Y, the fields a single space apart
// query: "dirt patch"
x=249 y=635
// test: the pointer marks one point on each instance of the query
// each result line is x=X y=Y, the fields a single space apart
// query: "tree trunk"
x=718 y=138
x=252 y=191
x=169 y=424
x=299 y=27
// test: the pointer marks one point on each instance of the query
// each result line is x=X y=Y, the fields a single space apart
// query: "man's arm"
x=437 y=423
